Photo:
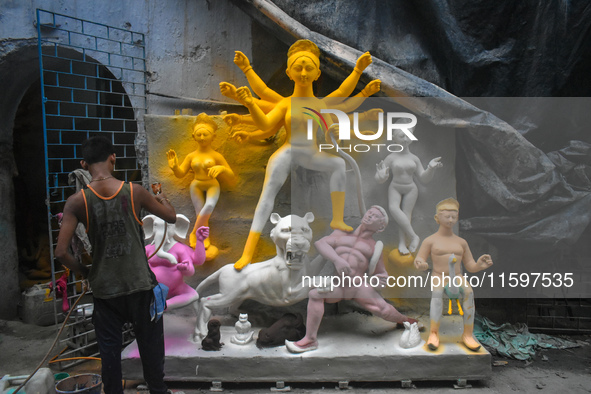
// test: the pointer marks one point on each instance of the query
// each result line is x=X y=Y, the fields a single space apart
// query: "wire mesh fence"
x=92 y=83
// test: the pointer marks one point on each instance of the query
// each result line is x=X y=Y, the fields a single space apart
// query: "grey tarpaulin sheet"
x=510 y=188
x=514 y=340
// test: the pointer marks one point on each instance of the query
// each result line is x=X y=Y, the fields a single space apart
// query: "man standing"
x=445 y=248
x=120 y=277
x=351 y=254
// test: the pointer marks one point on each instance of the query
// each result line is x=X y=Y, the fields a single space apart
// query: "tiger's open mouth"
x=294 y=260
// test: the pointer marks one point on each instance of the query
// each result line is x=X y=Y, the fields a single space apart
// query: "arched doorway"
x=87 y=91
x=81 y=98
x=72 y=115
x=32 y=236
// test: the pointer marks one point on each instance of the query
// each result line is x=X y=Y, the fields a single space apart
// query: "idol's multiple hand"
x=363 y=61
x=240 y=136
x=244 y=96
x=372 y=88
x=241 y=61
x=228 y=90
x=232 y=119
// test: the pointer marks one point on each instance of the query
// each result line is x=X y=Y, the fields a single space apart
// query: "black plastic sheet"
x=518 y=180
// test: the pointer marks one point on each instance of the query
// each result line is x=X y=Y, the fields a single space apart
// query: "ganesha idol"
x=171 y=260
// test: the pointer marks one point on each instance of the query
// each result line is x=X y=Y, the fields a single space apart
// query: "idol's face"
x=203 y=134
x=303 y=71
x=447 y=218
x=401 y=138
x=373 y=220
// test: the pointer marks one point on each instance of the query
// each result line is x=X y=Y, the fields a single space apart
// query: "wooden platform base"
x=352 y=347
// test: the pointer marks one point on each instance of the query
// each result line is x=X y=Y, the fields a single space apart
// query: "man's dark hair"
x=96 y=149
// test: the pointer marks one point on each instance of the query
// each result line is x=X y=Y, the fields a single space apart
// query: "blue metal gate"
x=92 y=83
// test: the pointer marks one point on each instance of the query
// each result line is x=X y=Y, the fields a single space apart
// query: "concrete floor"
x=22 y=347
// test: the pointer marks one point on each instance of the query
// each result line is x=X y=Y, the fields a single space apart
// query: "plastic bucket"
x=84 y=383
x=61 y=376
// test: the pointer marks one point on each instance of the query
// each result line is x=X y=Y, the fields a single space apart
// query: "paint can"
x=37 y=306
x=80 y=384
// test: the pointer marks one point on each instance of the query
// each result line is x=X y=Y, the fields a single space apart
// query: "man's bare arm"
x=74 y=205
x=158 y=205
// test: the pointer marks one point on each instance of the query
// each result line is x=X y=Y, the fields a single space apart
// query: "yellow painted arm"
x=258 y=86
x=351 y=81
